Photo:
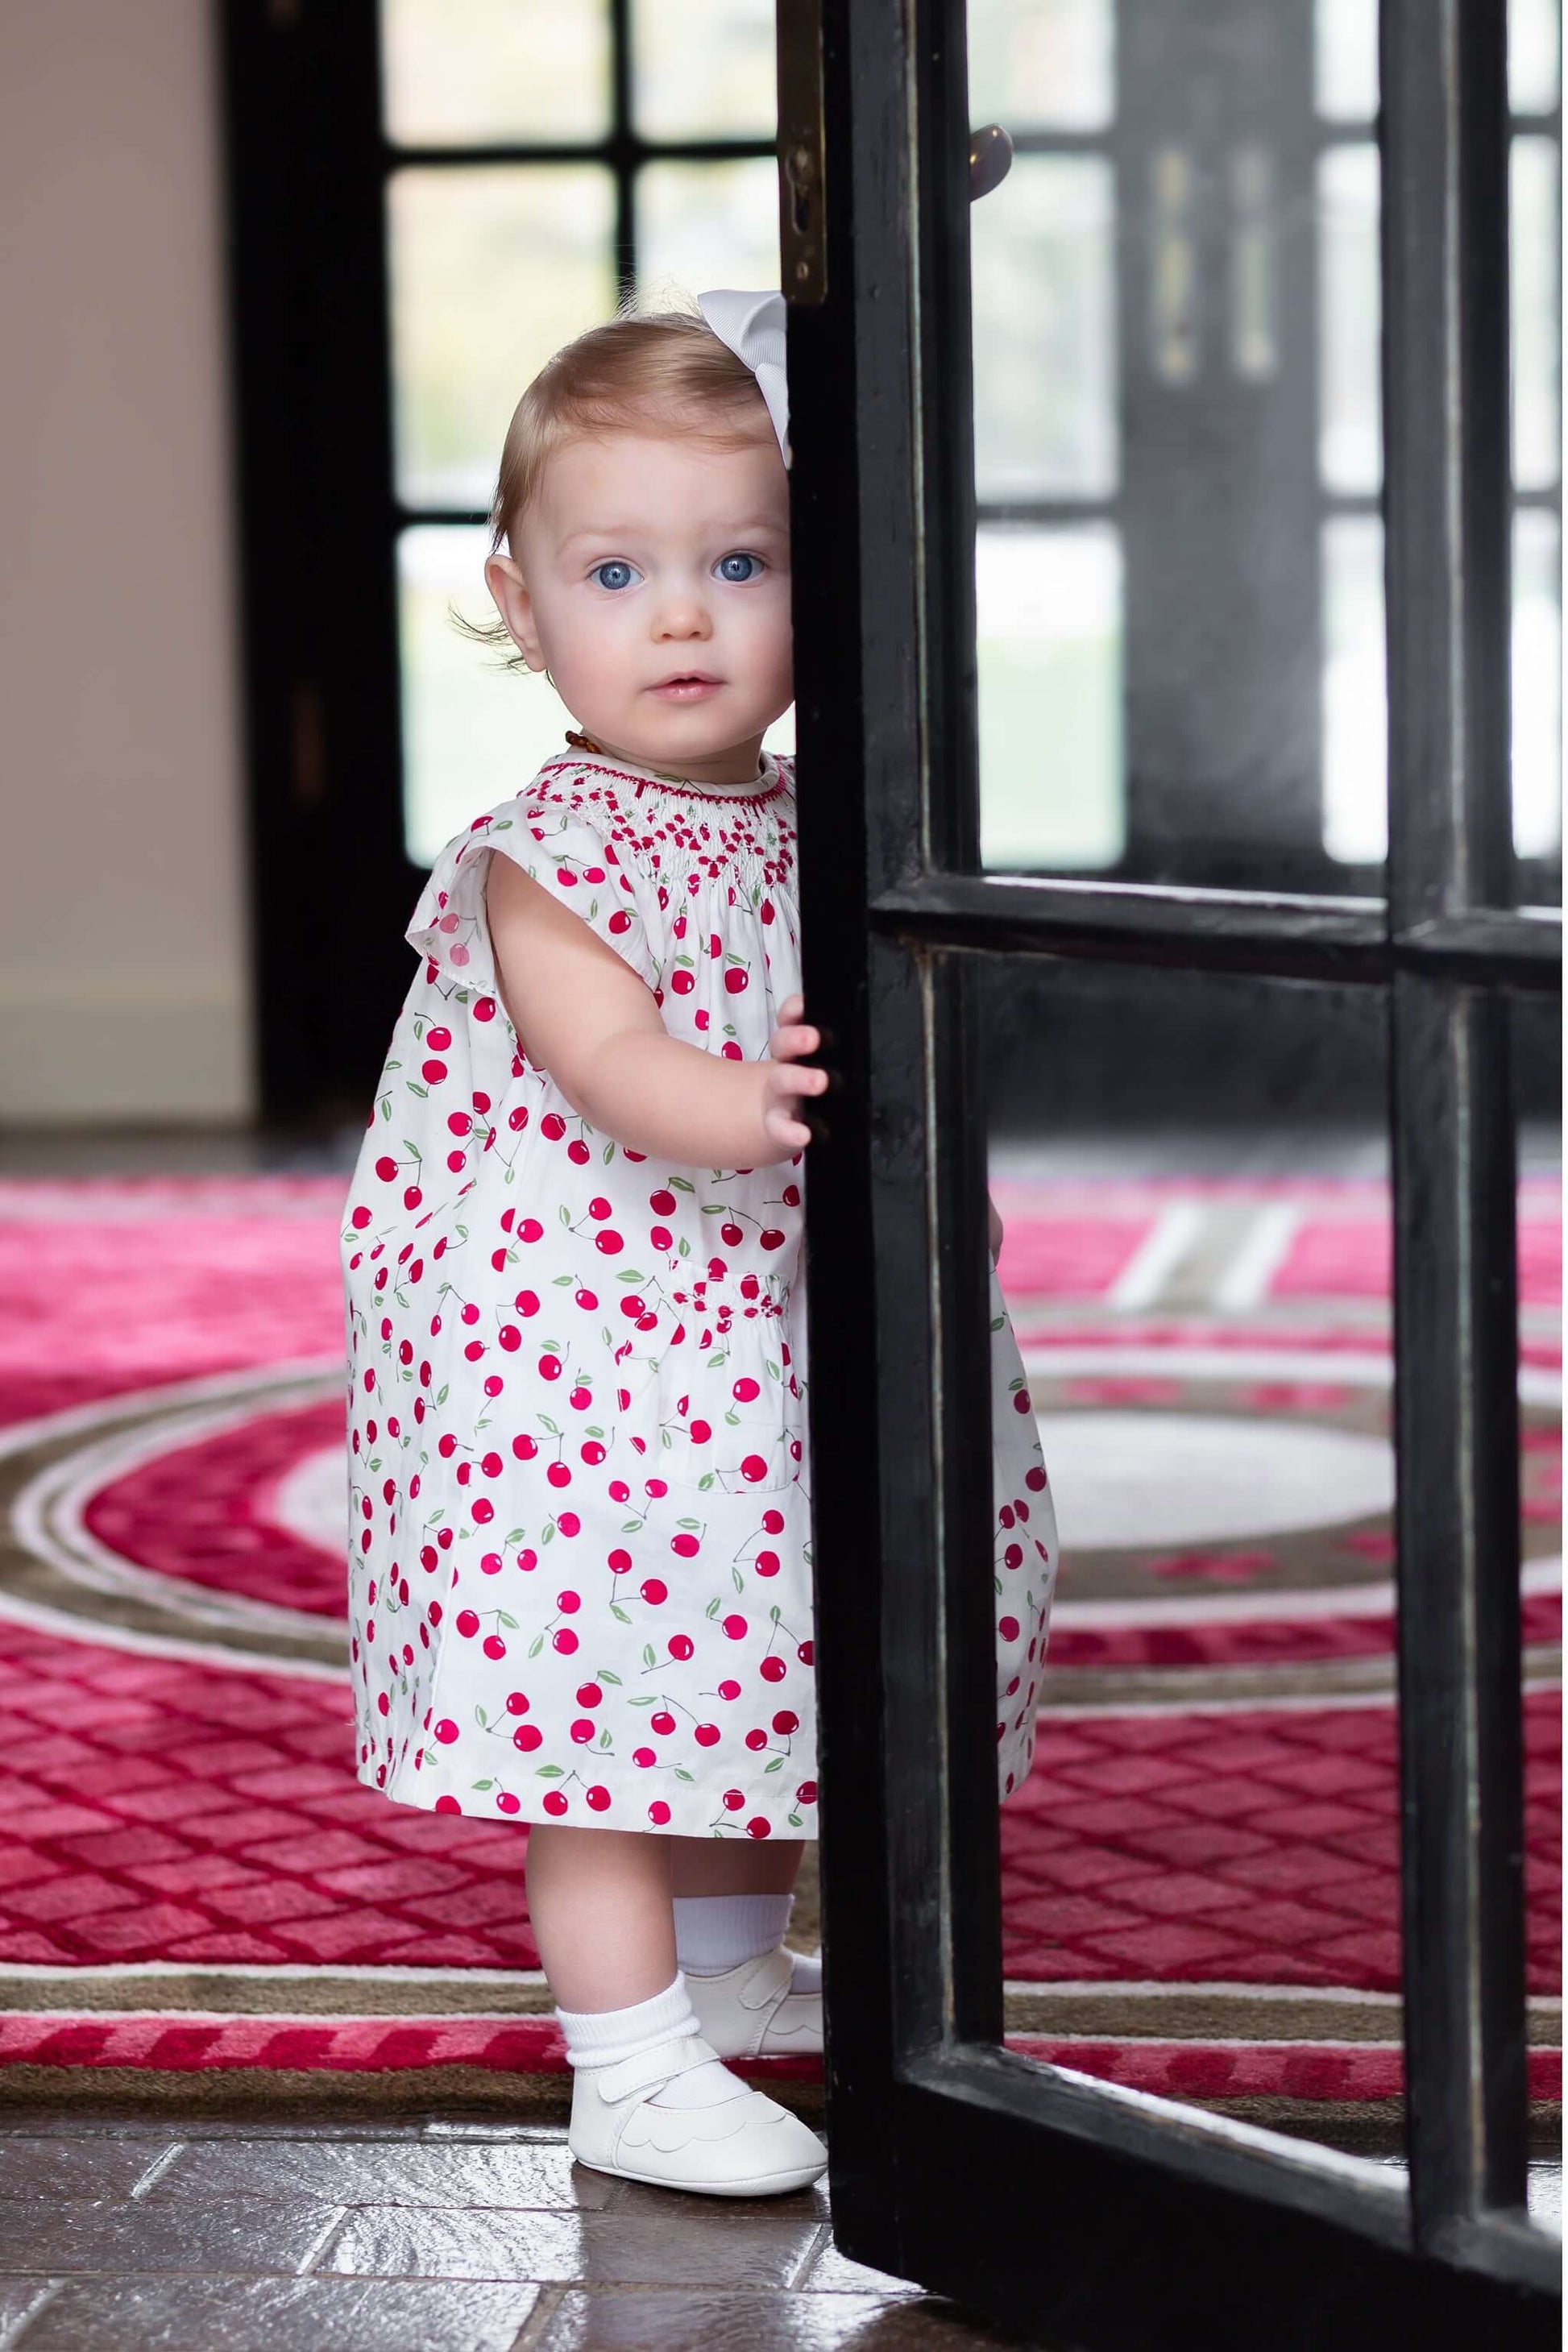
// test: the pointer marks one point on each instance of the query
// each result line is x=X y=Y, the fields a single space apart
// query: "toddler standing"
x=581 y=1559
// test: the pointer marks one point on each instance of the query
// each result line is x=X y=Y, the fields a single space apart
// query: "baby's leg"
x=600 y=1903
x=735 y=1865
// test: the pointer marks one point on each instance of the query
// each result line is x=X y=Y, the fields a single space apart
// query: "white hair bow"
x=754 y=327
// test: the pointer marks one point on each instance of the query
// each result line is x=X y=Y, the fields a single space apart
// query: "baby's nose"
x=682 y=616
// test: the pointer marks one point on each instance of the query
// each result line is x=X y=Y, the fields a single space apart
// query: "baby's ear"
x=506 y=584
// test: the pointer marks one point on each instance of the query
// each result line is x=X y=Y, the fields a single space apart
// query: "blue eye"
x=615 y=574
x=738 y=569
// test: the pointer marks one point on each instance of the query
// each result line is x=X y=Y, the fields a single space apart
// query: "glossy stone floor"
x=149 y=2235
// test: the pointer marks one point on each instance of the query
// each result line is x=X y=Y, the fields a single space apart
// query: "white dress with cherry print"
x=580 y=1575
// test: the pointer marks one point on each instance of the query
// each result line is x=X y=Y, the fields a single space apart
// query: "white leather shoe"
x=751 y=2012
x=745 y=2147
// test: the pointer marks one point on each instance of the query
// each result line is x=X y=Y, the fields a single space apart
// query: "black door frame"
x=1078 y=2211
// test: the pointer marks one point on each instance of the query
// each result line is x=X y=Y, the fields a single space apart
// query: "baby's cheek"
x=589 y=667
x=770 y=650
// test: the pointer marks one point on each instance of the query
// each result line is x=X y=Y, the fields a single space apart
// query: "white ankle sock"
x=602 y=2037
x=808 y=1975
x=714 y=1933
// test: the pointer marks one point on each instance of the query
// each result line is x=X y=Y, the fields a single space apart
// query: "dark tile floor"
x=152 y=2235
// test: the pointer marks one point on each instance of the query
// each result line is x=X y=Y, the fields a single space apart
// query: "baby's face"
x=652 y=581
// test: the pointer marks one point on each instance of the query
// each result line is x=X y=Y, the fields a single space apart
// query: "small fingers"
x=788 y=1133
x=793 y=1009
x=799 y=1079
x=788 y=1042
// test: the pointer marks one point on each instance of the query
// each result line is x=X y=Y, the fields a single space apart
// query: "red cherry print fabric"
x=580 y=1566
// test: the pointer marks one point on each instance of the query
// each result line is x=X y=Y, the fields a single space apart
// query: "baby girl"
x=581 y=1573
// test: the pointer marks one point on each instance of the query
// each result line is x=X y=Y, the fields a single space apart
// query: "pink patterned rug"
x=1199 y=1879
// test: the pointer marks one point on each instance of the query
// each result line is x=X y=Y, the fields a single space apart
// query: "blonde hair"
x=665 y=372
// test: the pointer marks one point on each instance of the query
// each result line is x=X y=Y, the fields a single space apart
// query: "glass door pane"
x=1200 y=1868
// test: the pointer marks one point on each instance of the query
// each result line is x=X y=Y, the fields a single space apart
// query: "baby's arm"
x=583 y=1015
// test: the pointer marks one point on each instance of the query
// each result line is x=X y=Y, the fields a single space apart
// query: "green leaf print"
x=692 y=1524
x=544 y=1420
x=682 y=1774
x=712 y=1608
x=609 y=1153
x=480 y=1717
x=626 y=1274
x=649 y=1699
x=605 y=1739
x=682 y=1183
x=566 y=1214
x=563 y=1280
x=535 y=1646
x=516 y=1535
x=604 y=1674
x=415 y=1087
x=705 y=1481
x=648 y=1653
x=548 y=1772
x=479 y=1787
x=776 y=1766
x=794 y=1820
x=716 y=1361
x=617 y=1610
x=510 y=1622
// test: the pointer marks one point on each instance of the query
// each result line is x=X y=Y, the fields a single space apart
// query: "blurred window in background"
x=1178 y=443
x=543 y=163
x=1178 y=440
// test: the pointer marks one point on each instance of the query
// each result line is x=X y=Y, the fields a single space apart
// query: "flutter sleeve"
x=568 y=853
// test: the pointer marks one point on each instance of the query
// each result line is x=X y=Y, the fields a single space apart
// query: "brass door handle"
x=803 y=225
x=990 y=160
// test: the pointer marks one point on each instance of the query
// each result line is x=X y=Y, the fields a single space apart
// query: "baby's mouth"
x=686 y=686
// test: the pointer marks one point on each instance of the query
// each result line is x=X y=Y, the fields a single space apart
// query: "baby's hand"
x=784 y=1081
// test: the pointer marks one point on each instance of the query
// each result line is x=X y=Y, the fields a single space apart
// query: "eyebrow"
x=752 y=526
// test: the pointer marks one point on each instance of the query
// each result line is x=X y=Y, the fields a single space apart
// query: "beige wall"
x=123 y=955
